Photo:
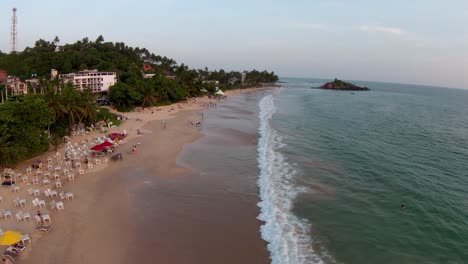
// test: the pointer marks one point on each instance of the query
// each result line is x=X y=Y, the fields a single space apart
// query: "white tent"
x=220 y=92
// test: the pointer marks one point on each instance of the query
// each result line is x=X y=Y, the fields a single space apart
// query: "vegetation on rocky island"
x=341 y=85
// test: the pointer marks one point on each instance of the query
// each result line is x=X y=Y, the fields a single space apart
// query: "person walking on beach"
x=134 y=148
x=40 y=216
x=7 y=260
x=164 y=123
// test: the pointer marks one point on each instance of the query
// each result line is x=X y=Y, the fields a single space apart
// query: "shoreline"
x=90 y=191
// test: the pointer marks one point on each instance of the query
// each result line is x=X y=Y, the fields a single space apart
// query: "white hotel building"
x=97 y=81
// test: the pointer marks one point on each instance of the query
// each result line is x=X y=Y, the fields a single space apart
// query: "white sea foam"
x=288 y=237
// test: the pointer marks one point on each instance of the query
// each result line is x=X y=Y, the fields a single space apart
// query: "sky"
x=403 y=41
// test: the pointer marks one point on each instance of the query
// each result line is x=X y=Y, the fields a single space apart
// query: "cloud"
x=307 y=26
x=380 y=29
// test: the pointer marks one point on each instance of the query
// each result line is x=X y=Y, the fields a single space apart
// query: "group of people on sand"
x=195 y=124
x=16 y=248
x=210 y=105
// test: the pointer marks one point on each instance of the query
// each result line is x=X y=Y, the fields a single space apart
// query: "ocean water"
x=335 y=168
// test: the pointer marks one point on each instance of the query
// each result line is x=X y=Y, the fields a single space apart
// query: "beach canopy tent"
x=98 y=147
x=10 y=238
x=220 y=92
x=107 y=144
x=102 y=146
x=120 y=136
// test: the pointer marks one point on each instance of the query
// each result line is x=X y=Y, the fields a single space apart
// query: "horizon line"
x=384 y=82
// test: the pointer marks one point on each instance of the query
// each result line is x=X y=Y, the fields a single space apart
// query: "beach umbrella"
x=107 y=144
x=10 y=237
x=98 y=147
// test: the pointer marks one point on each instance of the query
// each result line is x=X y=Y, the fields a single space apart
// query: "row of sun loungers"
x=50 y=176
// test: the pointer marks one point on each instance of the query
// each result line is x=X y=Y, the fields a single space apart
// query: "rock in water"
x=343 y=86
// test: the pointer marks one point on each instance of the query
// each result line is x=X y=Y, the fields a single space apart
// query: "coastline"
x=102 y=201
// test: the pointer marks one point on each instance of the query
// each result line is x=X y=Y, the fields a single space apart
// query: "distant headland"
x=343 y=86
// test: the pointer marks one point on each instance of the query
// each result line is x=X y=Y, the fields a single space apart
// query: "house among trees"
x=148 y=75
x=16 y=86
x=3 y=76
x=97 y=81
x=147 y=67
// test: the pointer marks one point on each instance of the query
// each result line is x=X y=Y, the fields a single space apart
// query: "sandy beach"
x=98 y=225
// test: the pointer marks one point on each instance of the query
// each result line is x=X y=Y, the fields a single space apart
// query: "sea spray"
x=288 y=236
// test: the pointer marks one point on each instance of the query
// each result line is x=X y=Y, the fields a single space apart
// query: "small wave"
x=316 y=84
x=288 y=236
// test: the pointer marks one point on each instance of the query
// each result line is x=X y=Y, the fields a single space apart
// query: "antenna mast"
x=13 y=31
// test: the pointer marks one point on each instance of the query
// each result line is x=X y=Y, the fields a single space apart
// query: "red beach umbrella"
x=107 y=144
x=98 y=147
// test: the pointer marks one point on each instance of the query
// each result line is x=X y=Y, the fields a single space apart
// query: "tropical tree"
x=88 y=107
x=8 y=155
x=22 y=125
x=147 y=93
x=54 y=102
x=123 y=95
x=57 y=83
x=71 y=105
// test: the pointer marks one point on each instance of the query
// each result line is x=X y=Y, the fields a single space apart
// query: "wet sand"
x=189 y=218
x=147 y=209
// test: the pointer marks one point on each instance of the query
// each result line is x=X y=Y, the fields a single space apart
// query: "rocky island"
x=343 y=86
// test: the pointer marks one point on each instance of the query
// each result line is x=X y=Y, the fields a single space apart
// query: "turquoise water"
x=344 y=163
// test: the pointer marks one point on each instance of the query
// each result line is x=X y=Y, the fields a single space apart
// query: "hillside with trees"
x=31 y=124
x=130 y=64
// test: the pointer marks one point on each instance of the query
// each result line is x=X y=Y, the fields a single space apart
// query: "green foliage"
x=28 y=124
x=23 y=129
x=123 y=95
x=8 y=154
x=125 y=109
x=83 y=54
x=55 y=141
x=210 y=87
x=339 y=83
x=107 y=116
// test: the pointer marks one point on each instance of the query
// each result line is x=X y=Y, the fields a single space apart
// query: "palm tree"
x=54 y=102
x=43 y=84
x=57 y=83
x=147 y=94
x=70 y=102
x=88 y=106
x=56 y=40
x=2 y=87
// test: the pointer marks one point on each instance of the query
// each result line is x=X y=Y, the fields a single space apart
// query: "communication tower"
x=13 y=31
